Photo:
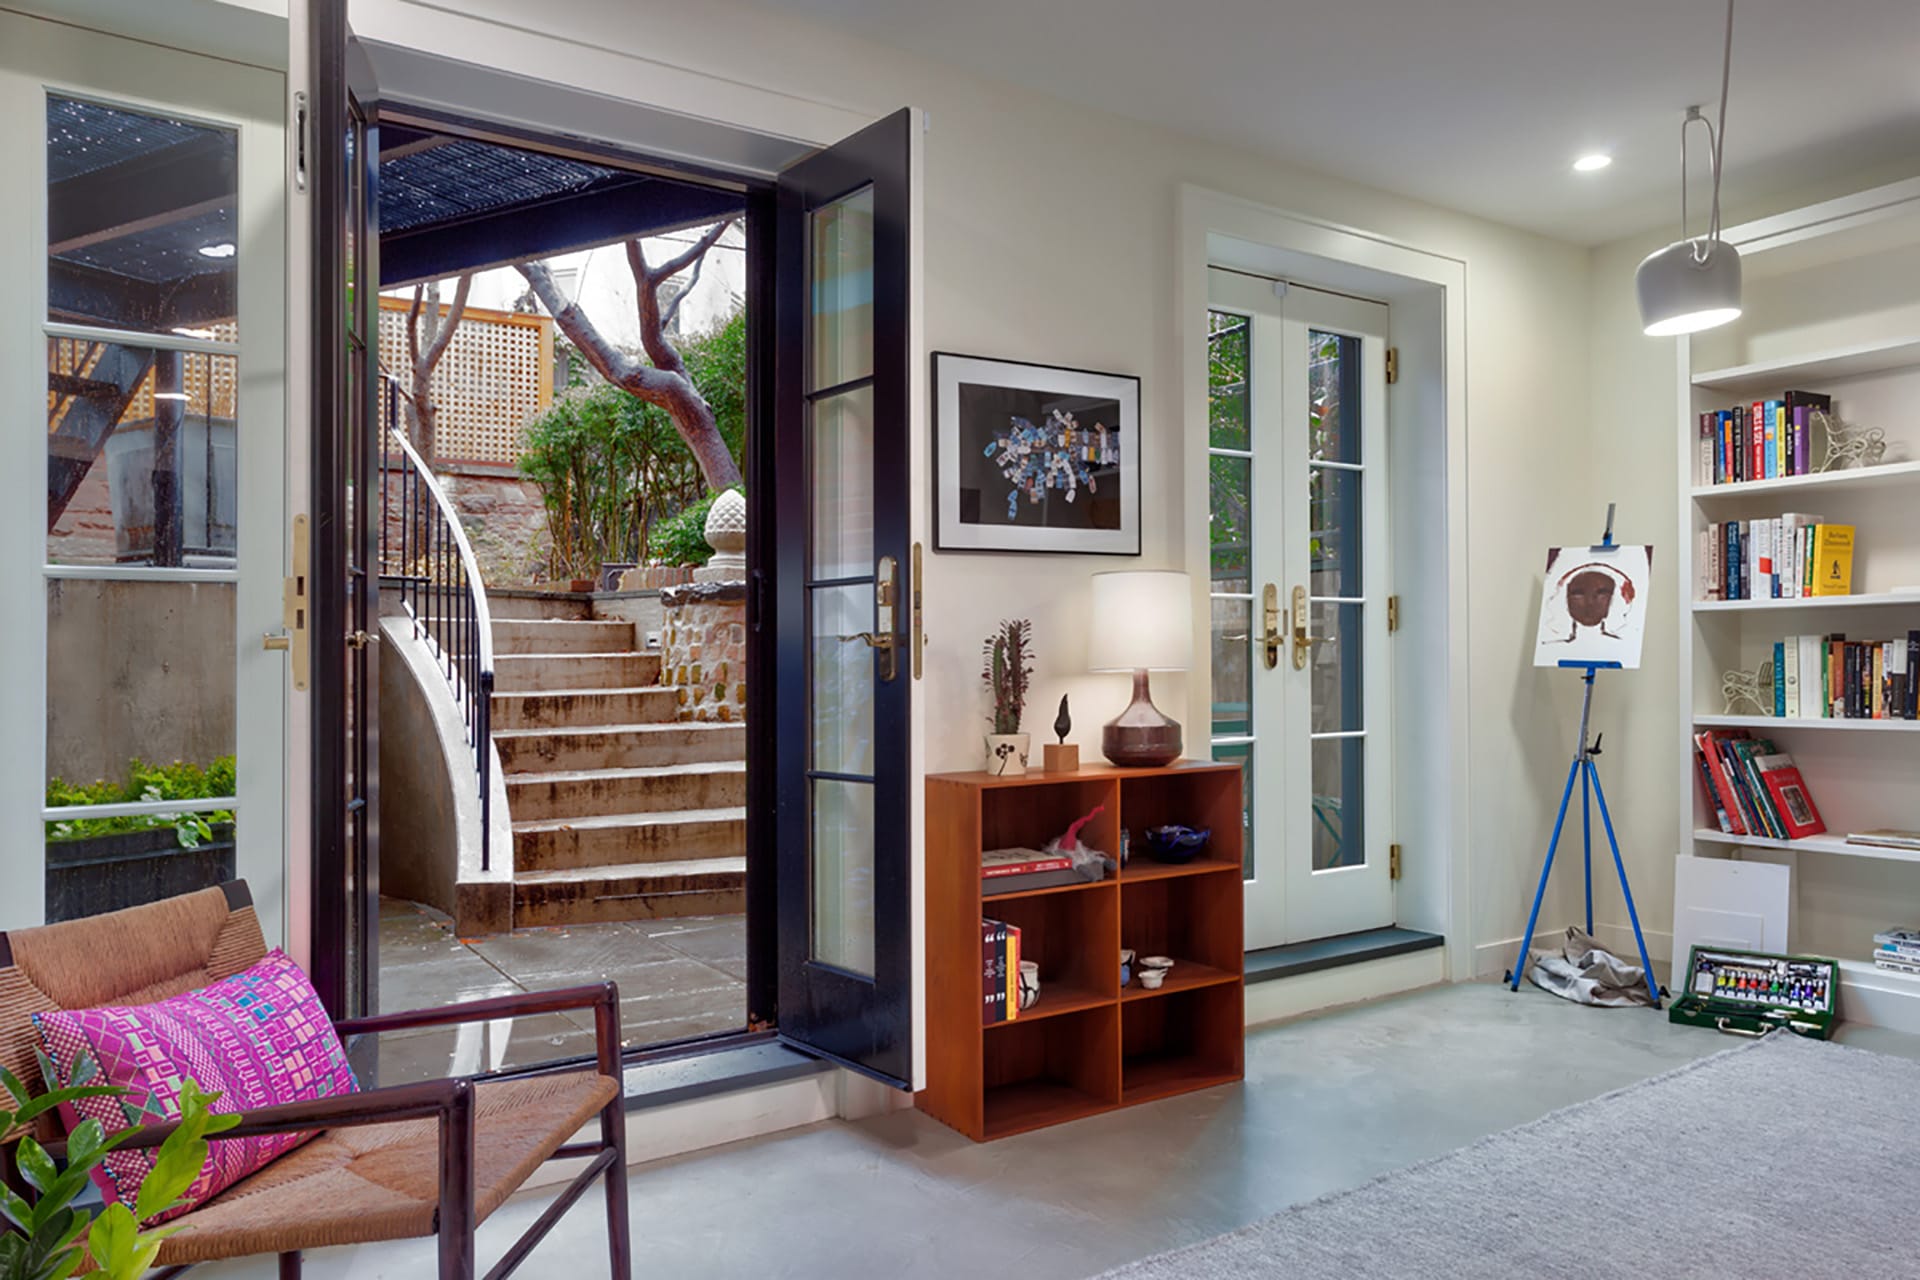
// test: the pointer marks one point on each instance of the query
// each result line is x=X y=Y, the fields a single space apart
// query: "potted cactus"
x=1006 y=668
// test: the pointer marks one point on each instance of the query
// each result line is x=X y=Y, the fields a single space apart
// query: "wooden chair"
x=433 y=1158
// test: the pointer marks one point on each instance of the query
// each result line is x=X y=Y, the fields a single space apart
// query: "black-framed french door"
x=839 y=559
x=341 y=167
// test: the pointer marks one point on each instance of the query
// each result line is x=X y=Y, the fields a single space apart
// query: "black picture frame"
x=1084 y=500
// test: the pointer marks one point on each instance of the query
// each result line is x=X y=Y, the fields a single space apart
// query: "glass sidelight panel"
x=842 y=288
x=1232 y=667
x=1336 y=684
x=1333 y=515
x=1333 y=397
x=843 y=485
x=843 y=933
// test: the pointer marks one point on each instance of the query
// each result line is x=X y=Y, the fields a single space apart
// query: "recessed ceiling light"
x=1589 y=163
x=225 y=249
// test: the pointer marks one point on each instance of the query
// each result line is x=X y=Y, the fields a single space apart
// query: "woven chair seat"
x=381 y=1182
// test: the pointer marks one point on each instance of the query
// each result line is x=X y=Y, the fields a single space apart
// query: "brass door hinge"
x=1393 y=862
x=294 y=607
x=1393 y=614
x=918 y=618
x=1393 y=364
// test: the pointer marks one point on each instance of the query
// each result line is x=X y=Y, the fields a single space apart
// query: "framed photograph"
x=1033 y=458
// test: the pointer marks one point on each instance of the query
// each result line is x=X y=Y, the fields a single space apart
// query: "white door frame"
x=1428 y=407
x=108 y=68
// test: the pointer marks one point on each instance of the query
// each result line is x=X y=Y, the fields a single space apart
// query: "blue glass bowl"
x=1177 y=844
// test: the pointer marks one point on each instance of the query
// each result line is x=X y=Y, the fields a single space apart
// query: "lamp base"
x=1141 y=736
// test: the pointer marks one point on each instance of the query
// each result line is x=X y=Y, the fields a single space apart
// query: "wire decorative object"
x=1849 y=445
x=1746 y=686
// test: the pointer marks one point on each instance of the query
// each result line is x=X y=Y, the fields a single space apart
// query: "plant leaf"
x=113 y=1238
x=36 y=1166
x=14 y=1087
x=85 y=1068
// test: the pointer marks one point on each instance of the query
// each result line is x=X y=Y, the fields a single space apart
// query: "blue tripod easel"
x=1587 y=774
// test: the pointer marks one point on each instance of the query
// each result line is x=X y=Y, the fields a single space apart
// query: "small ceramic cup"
x=1029 y=984
x=1149 y=963
x=1152 y=978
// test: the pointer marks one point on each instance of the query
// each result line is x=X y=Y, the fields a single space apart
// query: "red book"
x=1757 y=442
x=1014 y=862
x=1710 y=748
x=1791 y=797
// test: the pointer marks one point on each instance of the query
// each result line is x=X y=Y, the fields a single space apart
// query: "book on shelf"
x=1754 y=788
x=1896 y=965
x=1782 y=557
x=993 y=967
x=1012 y=862
x=1833 y=678
x=1766 y=439
x=1888 y=838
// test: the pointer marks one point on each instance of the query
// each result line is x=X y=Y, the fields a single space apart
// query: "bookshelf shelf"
x=1868 y=600
x=1088 y=1045
x=1856 y=479
x=1811 y=844
x=1781 y=722
x=1877 y=355
x=1829 y=311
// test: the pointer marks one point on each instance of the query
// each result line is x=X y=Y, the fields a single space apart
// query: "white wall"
x=1049 y=234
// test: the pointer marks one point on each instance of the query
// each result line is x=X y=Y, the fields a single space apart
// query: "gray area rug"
x=1783 y=1158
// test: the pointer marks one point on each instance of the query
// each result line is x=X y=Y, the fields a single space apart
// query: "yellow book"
x=1013 y=973
x=1833 y=560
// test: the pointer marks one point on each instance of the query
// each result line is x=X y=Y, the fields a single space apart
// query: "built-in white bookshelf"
x=1831 y=305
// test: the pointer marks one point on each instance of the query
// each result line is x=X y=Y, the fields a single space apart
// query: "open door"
x=339 y=167
x=840 y=559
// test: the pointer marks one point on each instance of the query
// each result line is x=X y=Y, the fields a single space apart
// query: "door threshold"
x=1271 y=963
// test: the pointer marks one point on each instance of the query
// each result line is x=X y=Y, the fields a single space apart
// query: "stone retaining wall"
x=703 y=645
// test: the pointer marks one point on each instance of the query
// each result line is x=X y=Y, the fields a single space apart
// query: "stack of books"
x=1753 y=787
x=1000 y=970
x=1898 y=950
x=1834 y=678
x=1886 y=838
x=1783 y=557
x=1018 y=870
x=1762 y=440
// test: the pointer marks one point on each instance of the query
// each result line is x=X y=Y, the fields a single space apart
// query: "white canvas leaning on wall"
x=1593 y=605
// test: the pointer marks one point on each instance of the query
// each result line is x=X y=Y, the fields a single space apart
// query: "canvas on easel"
x=1593 y=606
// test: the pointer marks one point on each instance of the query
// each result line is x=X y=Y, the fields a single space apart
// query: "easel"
x=1584 y=770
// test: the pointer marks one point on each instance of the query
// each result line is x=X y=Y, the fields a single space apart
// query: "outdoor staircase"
x=620 y=810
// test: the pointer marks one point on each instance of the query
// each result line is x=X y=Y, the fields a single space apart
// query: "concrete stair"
x=620 y=810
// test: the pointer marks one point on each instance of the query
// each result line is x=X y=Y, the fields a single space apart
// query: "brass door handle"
x=1302 y=642
x=873 y=641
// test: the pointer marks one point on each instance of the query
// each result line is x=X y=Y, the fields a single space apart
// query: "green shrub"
x=147 y=783
x=682 y=537
x=612 y=468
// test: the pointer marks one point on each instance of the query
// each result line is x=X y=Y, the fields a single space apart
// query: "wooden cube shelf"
x=1088 y=1045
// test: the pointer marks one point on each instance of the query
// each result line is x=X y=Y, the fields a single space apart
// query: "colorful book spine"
x=993 y=959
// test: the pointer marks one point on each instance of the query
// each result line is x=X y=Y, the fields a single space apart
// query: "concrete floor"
x=1329 y=1102
x=678 y=979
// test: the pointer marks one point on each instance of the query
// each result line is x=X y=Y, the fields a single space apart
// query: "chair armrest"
x=428 y=1098
x=519 y=1004
x=602 y=997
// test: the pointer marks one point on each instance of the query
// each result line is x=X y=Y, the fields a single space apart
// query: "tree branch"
x=674 y=266
x=438 y=346
x=693 y=282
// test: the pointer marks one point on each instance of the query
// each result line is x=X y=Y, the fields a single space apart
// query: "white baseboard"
x=1492 y=959
x=1280 y=998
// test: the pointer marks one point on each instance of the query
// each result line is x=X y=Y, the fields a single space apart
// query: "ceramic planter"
x=1006 y=754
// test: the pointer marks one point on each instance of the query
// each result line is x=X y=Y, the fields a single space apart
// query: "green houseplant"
x=1006 y=669
x=47 y=1237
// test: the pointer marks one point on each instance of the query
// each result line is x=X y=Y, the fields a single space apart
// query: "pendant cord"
x=1702 y=247
x=1720 y=133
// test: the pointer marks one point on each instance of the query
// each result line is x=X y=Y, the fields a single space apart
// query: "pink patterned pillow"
x=257 y=1038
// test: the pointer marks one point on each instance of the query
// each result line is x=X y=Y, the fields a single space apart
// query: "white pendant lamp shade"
x=1141 y=619
x=1688 y=286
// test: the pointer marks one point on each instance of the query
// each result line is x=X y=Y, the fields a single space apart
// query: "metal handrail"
x=441 y=591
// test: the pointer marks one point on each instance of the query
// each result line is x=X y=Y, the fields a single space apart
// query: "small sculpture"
x=1848 y=444
x=1063 y=723
x=1753 y=688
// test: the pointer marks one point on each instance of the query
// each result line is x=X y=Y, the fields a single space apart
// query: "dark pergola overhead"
x=450 y=205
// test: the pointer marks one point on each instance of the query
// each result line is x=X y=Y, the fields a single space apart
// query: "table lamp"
x=1142 y=621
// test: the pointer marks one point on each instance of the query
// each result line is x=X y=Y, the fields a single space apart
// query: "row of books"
x=1834 y=678
x=1897 y=950
x=1019 y=870
x=1763 y=440
x=1782 y=557
x=1753 y=787
x=1000 y=970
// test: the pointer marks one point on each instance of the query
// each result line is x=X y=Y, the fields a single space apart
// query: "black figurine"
x=1063 y=723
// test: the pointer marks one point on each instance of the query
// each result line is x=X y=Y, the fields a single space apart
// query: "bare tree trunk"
x=424 y=352
x=665 y=382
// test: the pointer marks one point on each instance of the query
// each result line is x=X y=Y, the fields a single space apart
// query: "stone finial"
x=727 y=535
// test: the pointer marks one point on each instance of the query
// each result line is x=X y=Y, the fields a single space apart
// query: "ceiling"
x=1476 y=105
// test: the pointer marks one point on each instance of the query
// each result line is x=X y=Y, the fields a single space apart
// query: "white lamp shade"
x=1141 y=619
x=1681 y=294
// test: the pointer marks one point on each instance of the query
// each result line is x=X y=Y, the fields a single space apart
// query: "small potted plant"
x=1006 y=670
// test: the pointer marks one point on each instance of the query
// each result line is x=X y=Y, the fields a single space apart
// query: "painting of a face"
x=1589 y=597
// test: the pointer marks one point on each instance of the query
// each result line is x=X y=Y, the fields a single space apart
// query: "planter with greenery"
x=1006 y=669
x=104 y=864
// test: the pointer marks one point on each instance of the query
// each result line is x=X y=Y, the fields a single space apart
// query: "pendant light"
x=1694 y=283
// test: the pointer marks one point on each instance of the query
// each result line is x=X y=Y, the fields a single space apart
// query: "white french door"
x=145 y=544
x=1299 y=585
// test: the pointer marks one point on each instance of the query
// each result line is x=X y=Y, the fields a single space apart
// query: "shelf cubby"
x=1068 y=1055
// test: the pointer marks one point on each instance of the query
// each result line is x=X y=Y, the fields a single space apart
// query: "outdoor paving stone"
x=431 y=1053
x=573 y=953
x=720 y=941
